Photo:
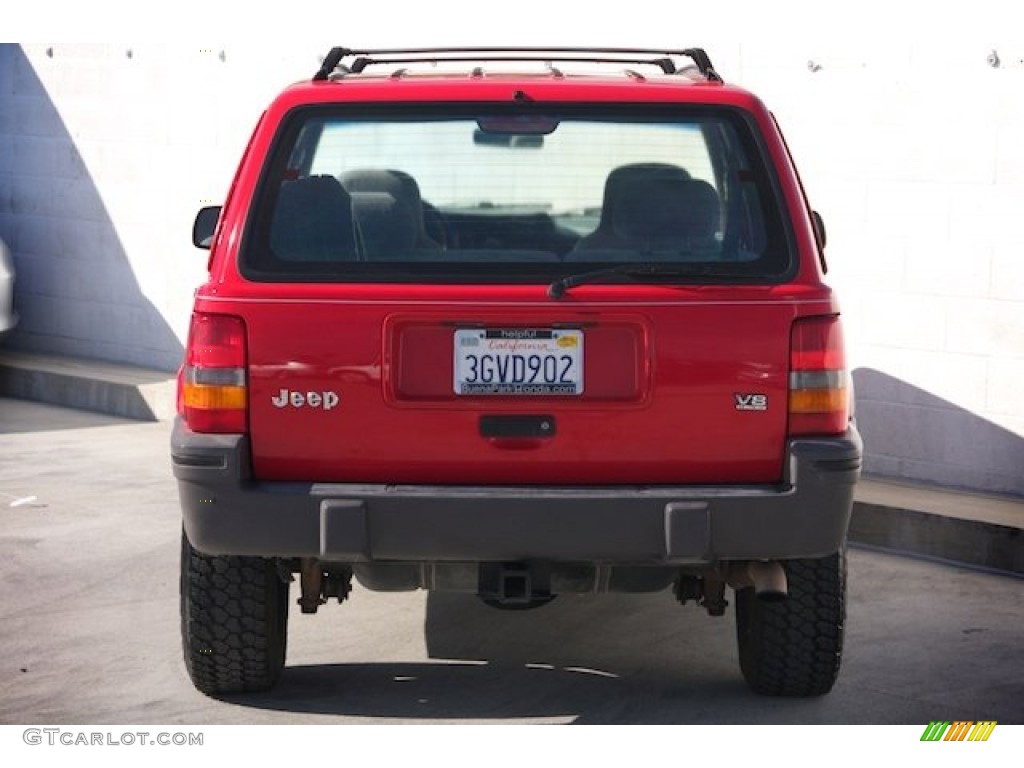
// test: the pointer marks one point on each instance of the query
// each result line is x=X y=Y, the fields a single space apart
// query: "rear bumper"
x=226 y=512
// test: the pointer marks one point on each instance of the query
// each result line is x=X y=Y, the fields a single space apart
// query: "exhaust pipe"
x=769 y=580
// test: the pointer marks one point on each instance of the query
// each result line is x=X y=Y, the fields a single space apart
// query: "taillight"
x=212 y=392
x=819 y=391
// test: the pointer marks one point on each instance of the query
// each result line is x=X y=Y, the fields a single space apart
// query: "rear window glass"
x=501 y=195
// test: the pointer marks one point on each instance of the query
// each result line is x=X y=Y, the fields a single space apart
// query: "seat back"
x=313 y=221
x=667 y=214
x=389 y=212
x=618 y=187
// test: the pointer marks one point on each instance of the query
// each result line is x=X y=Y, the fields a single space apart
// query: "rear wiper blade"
x=558 y=288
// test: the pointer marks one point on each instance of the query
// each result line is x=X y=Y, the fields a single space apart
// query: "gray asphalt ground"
x=89 y=632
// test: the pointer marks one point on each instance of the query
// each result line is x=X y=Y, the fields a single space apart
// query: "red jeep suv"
x=516 y=323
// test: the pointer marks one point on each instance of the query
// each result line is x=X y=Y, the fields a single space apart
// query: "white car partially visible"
x=8 y=317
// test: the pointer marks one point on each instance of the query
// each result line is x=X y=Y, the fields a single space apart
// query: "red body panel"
x=664 y=366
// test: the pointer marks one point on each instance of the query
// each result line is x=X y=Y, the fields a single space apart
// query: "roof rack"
x=663 y=59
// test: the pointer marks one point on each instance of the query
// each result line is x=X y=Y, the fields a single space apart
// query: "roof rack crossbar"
x=368 y=57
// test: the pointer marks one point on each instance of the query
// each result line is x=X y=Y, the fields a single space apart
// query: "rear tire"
x=793 y=647
x=234 y=621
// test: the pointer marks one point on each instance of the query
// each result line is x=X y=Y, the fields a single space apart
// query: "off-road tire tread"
x=793 y=647
x=234 y=613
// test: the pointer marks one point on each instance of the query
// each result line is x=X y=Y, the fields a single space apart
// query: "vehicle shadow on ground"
x=920 y=637
x=595 y=659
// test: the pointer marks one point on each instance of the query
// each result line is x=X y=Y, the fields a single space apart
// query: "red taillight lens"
x=819 y=391
x=212 y=392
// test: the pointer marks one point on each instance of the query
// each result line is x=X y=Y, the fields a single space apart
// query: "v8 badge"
x=751 y=402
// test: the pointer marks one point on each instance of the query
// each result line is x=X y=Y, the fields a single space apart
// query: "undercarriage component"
x=337 y=585
x=713 y=596
x=514 y=584
x=318 y=586
x=688 y=588
x=707 y=590
x=484 y=578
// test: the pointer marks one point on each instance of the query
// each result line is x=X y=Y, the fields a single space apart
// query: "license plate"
x=518 y=361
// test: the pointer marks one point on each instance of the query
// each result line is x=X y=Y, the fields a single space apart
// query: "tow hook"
x=713 y=597
x=318 y=587
x=707 y=591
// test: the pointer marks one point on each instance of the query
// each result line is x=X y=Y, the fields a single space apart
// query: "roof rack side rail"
x=331 y=62
x=703 y=62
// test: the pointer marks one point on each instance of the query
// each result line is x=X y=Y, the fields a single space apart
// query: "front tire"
x=793 y=647
x=234 y=621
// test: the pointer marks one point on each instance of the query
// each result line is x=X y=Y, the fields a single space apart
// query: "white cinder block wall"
x=912 y=153
x=106 y=153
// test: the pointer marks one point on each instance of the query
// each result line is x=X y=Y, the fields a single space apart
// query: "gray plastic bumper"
x=226 y=512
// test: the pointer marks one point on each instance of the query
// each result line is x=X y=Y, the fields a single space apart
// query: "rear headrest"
x=666 y=212
x=399 y=184
x=624 y=179
x=405 y=209
x=387 y=225
x=313 y=221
